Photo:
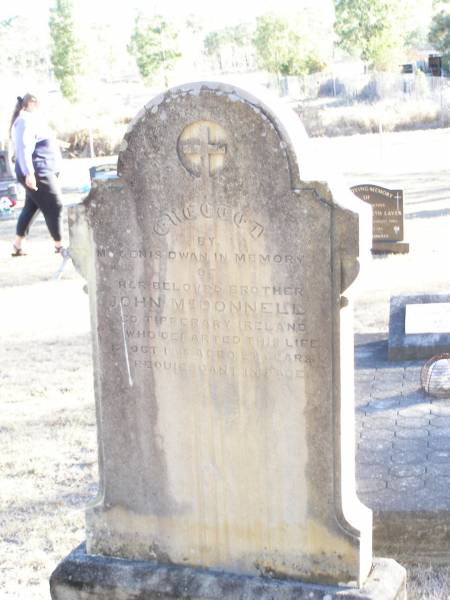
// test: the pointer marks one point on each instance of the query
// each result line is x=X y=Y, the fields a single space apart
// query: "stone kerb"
x=407 y=345
x=223 y=346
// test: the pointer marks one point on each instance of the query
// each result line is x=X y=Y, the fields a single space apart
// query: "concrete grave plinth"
x=416 y=326
x=223 y=352
x=390 y=247
x=106 y=578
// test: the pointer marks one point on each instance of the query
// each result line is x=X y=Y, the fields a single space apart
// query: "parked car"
x=106 y=171
x=8 y=185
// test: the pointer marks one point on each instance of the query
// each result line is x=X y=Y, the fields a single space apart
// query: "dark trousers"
x=46 y=198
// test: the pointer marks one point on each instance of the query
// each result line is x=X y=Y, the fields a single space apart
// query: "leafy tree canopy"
x=65 y=51
x=440 y=4
x=374 y=30
x=287 y=46
x=15 y=35
x=5 y=23
x=238 y=36
x=439 y=35
x=154 y=46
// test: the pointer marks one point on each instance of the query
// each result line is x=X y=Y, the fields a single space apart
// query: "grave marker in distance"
x=388 y=217
x=419 y=326
x=223 y=356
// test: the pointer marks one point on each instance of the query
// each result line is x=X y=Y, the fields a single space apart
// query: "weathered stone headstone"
x=388 y=217
x=223 y=362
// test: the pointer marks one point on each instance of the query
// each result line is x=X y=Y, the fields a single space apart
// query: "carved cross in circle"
x=202 y=147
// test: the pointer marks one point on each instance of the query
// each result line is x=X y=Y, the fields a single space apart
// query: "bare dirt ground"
x=48 y=456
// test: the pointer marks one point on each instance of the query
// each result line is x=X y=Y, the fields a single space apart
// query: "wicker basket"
x=435 y=376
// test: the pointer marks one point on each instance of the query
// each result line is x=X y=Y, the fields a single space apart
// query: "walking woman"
x=38 y=161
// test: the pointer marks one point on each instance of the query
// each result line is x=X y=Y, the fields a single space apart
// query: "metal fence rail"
x=370 y=87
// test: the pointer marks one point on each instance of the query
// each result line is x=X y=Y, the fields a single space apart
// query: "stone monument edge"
x=323 y=181
x=104 y=578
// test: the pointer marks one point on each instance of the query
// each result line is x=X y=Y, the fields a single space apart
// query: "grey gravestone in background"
x=388 y=217
x=416 y=326
x=223 y=360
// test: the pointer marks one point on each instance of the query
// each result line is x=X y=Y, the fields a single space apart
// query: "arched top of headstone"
x=204 y=137
x=215 y=137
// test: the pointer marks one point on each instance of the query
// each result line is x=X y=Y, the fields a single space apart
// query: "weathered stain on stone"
x=222 y=453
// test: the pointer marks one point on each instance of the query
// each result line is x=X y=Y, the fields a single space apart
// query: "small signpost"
x=388 y=217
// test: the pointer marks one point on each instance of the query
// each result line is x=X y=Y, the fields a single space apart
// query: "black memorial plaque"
x=388 y=217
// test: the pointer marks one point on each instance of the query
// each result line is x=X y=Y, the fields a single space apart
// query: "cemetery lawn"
x=48 y=454
x=48 y=461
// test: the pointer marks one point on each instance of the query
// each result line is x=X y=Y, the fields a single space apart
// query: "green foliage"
x=285 y=46
x=213 y=42
x=15 y=34
x=238 y=36
x=439 y=36
x=65 y=51
x=6 y=23
x=194 y=23
x=372 y=29
x=154 y=46
x=440 y=4
x=416 y=22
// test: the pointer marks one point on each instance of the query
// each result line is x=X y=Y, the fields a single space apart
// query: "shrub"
x=77 y=143
x=358 y=118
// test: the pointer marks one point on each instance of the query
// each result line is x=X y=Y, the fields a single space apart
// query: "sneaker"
x=63 y=251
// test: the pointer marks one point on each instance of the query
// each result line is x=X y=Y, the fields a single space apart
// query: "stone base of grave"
x=404 y=346
x=86 y=577
x=391 y=247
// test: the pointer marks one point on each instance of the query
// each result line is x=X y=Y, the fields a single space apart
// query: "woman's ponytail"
x=17 y=109
x=21 y=103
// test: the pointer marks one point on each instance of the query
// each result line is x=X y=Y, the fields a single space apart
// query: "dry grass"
x=428 y=583
x=326 y=117
x=48 y=458
x=321 y=118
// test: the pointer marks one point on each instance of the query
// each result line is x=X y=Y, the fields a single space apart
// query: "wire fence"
x=367 y=87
